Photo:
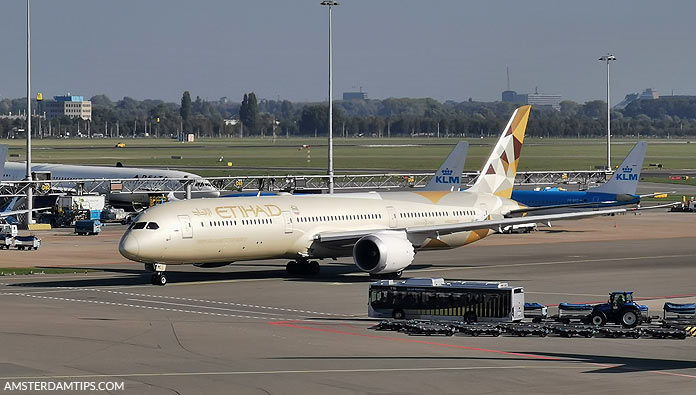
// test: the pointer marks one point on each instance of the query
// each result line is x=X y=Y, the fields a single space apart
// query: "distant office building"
x=540 y=99
x=535 y=99
x=647 y=94
x=513 y=97
x=354 y=96
x=68 y=106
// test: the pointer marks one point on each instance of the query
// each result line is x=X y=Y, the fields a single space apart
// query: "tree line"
x=672 y=116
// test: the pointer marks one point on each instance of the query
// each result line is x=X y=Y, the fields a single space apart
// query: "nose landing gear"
x=158 y=277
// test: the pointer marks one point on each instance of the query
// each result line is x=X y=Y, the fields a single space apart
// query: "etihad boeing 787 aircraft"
x=381 y=231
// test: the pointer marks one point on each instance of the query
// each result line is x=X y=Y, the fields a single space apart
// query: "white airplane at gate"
x=381 y=231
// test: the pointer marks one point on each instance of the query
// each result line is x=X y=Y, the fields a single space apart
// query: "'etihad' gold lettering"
x=270 y=210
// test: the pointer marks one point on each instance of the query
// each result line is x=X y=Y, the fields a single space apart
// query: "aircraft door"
x=186 y=228
x=391 y=212
x=287 y=219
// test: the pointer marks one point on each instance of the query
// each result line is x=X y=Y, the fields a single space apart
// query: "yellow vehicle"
x=121 y=145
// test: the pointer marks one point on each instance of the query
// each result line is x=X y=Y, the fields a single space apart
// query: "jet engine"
x=387 y=252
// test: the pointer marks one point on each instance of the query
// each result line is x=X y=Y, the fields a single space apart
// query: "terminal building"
x=68 y=106
x=647 y=94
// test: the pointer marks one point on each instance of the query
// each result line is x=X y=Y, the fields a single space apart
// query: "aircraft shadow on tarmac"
x=331 y=272
x=623 y=364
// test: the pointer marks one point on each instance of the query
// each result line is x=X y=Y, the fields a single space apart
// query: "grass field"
x=351 y=155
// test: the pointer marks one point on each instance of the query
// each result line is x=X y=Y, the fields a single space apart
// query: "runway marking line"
x=294 y=324
x=201 y=307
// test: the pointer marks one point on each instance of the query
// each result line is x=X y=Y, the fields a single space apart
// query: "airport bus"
x=435 y=299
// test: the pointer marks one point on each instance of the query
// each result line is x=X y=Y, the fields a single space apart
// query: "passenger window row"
x=256 y=221
x=326 y=218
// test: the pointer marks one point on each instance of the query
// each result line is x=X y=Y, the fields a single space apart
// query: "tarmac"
x=249 y=329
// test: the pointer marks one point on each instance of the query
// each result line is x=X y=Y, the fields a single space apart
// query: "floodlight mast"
x=30 y=187
x=330 y=4
x=608 y=58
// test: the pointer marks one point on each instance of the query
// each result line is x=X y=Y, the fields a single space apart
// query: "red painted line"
x=636 y=299
x=293 y=324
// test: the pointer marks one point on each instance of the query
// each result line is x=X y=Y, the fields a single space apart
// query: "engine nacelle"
x=385 y=252
x=211 y=265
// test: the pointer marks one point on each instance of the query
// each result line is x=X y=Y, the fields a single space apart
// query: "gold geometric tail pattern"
x=498 y=174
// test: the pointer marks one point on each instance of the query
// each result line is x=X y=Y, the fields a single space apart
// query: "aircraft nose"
x=129 y=247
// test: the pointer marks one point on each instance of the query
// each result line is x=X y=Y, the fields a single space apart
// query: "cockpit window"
x=139 y=225
x=152 y=225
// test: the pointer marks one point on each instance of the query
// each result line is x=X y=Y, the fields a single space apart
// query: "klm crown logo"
x=447 y=177
x=626 y=174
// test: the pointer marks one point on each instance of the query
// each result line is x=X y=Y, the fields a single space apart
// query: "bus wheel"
x=398 y=314
x=470 y=317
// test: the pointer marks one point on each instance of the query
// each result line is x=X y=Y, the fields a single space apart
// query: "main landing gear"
x=158 y=277
x=302 y=266
x=387 y=276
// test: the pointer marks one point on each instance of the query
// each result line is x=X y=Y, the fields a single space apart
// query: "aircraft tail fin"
x=448 y=176
x=625 y=179
x=3 y=158
x=498 y=174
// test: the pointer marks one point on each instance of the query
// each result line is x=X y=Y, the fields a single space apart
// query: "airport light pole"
x=330 y=3
x=608 y=58
x=30 y=187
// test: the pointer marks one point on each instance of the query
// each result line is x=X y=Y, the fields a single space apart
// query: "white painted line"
x=202 y=307
x=320 y=371
x=136 y=306
x=551 y=263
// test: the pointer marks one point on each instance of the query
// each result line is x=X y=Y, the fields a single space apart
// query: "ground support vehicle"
x=536 y=311
x=428 y=329
x=6 y=242
x=620 y=332
x=620 y=309
x=573 y=311
x=475 y=329
x=388 y=325
x=574 y=330
x=525 y=329
x=438 y=300
x=27 y=242
x=88 y=227
x=679 y=312
x=665 y=333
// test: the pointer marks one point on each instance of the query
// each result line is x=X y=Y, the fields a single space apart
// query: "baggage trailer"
x=574 y=311
x=679 y=312
x=27 y=242
x=536 y=311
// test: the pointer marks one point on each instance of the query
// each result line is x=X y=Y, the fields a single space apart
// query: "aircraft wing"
x=435 y=231
x=526 y=210
x=15 y=212
x=657 y=194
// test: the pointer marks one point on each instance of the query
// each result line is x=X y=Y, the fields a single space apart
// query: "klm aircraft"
x=620 y=190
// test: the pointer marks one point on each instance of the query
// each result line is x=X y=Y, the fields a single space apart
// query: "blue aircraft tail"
x=448 y=176
x=625 y=180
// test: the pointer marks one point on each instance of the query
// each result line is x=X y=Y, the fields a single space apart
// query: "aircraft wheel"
x=314 y=267
x=159 y=279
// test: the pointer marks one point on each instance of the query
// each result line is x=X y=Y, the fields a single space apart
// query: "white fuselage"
x=285 y=226
x=16 y=171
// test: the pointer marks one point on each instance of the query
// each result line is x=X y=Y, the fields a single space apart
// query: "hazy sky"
x=392 y=48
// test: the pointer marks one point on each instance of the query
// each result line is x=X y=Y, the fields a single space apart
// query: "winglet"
x=625 y=179
x=3 y=158
x=498 y=174
x=448 y=176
